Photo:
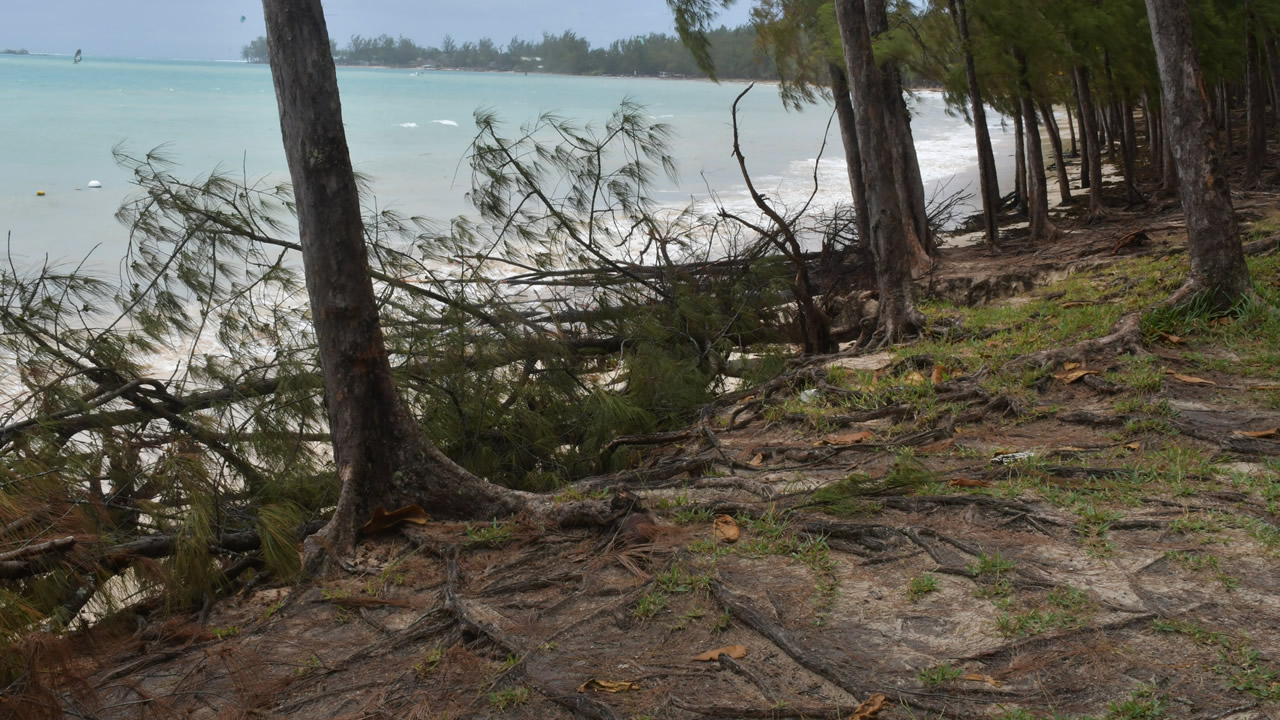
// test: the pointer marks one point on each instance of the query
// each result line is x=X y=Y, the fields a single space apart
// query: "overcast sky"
x=211 y=29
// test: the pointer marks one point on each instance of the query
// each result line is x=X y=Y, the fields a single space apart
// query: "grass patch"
x=921 y=586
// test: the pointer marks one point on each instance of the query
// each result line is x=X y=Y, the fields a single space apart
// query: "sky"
x=212 y=30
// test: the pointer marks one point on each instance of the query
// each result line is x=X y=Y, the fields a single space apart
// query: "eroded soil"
x=981 y=543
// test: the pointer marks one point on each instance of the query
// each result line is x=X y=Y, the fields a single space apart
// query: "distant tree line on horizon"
x=734 y=51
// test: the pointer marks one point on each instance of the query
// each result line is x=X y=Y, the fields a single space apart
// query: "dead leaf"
x=939 y=374
x=1068 y=367
x=1076 y=303
x=1221 y=321
x=869 y=707
x=846 y=439
x=725 y=529
x=757 y=461
x=1069 y=377
x=974 y=677
x=1134 y=446
x=938 y=446
x=736 y=652
x=1259 y=433
x=383 y=520
x=1190 y=379
x=967 y=482
x=914 y=378
x=1174 y=339
x=1265 y=387
x=610 y=686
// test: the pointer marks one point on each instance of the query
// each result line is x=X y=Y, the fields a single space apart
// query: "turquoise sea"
x=408 y=131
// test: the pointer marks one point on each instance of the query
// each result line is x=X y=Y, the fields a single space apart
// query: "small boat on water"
x=78 y=57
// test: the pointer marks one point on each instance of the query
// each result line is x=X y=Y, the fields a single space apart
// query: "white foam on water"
x=450 y=123
x=409 y=125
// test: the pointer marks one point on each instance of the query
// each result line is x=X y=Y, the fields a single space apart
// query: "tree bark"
x=1218 y=268
x=852 y=154
x=1273 y=62
x=1084 y=136
x=899 y=317
x=1093 y=148
x=988 y=181
x=1037 y=184
x=1071 y=129
x=906 y=164
x=1256 y=108
x=1129 y=151
x=1169 y=168
x=1055 y=140
x=1020 y=162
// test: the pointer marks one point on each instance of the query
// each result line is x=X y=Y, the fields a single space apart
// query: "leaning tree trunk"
x=382 y=457
x=1256 y=105
x=1218 y=269
x=899 y=317
x=988 y=181
x=1055 y=141
x=1093 y=146
x=852 y=154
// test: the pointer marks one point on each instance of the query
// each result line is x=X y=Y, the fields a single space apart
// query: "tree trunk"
x=1273 y=62
x=988 y=181
x=1020 y=163
x=906 y=164
x=1218 y=269
x=1093 y=147
x=382 y=457
x=1037 y=184
x=899 y=317
x=1129 y=151
x=1169 y=168
x=1226 y=117
x=1256 y=108
x=1071 y=129
x=852 y=156
x=1085 y=140
x=1149 y=122
x=1055 y=141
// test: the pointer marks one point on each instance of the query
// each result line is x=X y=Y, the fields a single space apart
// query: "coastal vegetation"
x=566 y=53
x=429 y=440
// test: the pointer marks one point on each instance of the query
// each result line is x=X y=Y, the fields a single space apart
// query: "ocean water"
x=409 y=132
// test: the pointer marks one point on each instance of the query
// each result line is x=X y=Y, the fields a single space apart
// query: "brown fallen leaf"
x=1259 y=433
x=1073 y=375
x=610 y=686
x=757 y=461
x=1134 y=446
x=382 y=520
x=725 y=529
x=914 y=378
x=967 y=482
x=1068 y=367
x=939 y=374
x=938 y=446
x=974 y=677
x=846 y=439
x=1174 y=339
x=869 y=707
x=736 y=652
x=1190 y=379
x=1222 y=321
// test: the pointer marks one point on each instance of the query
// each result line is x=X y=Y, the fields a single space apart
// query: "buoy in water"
x=39 y=193
x=95 y=184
